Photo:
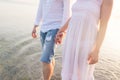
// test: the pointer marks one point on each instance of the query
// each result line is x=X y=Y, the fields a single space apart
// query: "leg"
x=48 y=69
x=47 y=59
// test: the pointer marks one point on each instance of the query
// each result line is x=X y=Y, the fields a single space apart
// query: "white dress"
x=80 y=38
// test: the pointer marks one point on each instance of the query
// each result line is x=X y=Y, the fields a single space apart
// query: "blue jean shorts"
x=48 y=44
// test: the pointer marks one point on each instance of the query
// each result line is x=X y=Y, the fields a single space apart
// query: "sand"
x=20 y=53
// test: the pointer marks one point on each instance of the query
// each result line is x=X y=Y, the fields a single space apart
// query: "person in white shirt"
x=52 y=14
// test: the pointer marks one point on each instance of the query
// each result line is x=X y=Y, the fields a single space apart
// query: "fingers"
x=58 y=38
x=34 y=35
x=92 y=60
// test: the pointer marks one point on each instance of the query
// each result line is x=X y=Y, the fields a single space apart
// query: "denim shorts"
x=48 y=44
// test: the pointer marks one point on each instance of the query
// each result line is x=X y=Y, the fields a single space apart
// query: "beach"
x=20 y=53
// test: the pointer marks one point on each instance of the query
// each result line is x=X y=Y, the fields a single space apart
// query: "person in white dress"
x=85 y=32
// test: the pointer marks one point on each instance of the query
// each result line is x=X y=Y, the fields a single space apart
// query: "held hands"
x=59 y=37
x=93 y=56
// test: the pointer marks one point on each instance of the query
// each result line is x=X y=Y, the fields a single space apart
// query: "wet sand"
x=19 y=52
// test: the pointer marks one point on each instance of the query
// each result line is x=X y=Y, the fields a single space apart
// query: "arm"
x=106 y=9
x=39 y=14
x=65 y=21
x=61 y=32
x=105 y=14
x=64 y=28
x=37 y=20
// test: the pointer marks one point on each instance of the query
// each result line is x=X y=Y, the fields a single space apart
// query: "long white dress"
x=80 y=38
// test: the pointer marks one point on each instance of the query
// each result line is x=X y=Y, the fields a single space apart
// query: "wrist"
x=63 y=31
x=35 y=26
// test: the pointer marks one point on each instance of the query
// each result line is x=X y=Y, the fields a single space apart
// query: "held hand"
x=34 y=33
x=93 y=56
x=59 y=37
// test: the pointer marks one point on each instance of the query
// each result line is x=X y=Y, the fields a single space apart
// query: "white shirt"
x=53 y=14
